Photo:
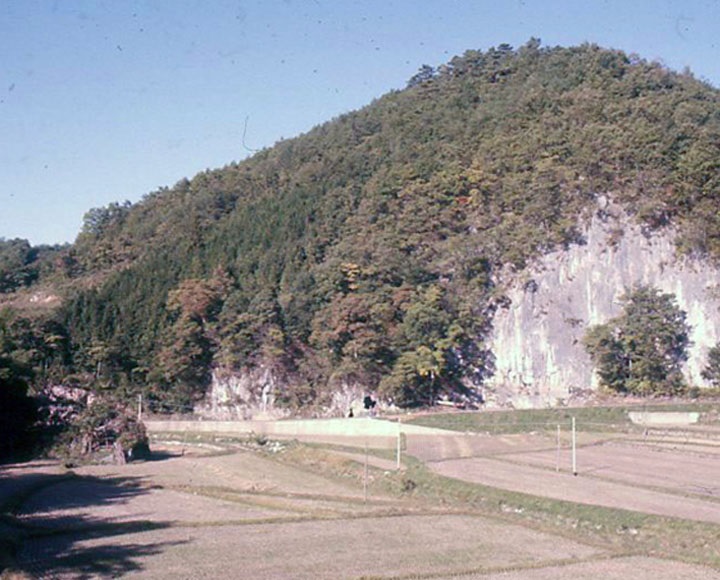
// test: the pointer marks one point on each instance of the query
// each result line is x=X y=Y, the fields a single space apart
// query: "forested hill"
x=366 y=251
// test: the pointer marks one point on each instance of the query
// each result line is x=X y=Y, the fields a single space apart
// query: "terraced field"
x=464 y=505
x=644 y=476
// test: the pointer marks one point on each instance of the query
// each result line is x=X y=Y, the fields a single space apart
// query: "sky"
x=108 y=100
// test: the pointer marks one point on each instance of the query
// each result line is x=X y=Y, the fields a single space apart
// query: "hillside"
x=366 y=254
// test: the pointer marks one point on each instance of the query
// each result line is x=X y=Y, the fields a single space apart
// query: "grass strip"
x=588 y=419
x=619 y=531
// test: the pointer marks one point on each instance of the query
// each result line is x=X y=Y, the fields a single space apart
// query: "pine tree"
x=642 y=350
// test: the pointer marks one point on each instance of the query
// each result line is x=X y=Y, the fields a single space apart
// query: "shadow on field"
x=56 y=525
x=162 y=455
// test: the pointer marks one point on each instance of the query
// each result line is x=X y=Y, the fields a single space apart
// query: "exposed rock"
x=248 y=395
x=537 y=332
x=254 y=394
x=60 y=404
x=44 y=298
x=537 y=338
x=348 y=397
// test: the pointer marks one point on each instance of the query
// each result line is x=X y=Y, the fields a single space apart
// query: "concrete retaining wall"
x=356 y=427
x=662 y=418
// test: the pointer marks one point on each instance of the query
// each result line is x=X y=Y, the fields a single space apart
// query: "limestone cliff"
x=537 y=335
x=255 y=394
x=247 y=395
x=537 y=338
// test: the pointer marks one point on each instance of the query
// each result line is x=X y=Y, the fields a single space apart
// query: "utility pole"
x=399 y=445
x=574 y=453
x=365 y=477
x=139 y=408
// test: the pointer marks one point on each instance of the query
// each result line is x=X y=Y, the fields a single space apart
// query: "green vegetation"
x=641 y=351
x=17 y=409
x=712 y=371
x=592 y=419
x=100 y=425
x=364 y=252
x=623 y=532
x=22 y=264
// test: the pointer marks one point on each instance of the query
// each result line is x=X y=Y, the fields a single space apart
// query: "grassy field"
x=598 y=419
x=619 y=530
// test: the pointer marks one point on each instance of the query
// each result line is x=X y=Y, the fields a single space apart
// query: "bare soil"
x=215 y=512
x=636 y=568
x=647 y=478
x=384 y=547
x=678 y=468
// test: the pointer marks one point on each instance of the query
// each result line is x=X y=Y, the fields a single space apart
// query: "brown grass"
x=302 y=513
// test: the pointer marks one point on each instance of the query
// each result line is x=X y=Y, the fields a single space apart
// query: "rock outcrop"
x=247 y=395
x=254 y=393
x=537 y=338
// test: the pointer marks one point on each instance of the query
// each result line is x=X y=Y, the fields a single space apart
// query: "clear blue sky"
x=107 y=100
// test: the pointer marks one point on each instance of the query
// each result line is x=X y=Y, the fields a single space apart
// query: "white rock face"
x=249 y=395
x=537 y=340
x=253 y=393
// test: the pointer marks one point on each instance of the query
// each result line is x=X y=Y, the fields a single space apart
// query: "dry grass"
x=297 y=511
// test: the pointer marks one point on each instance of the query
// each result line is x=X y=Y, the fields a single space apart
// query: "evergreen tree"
x=711 y=372
x=17 y=409
x=642 y=350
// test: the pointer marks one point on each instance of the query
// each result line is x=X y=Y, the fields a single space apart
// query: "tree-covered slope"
x=365 y=251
